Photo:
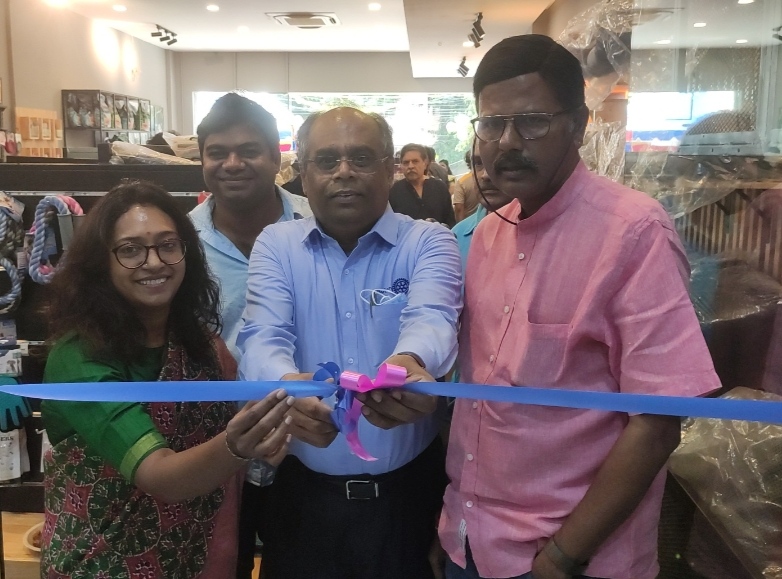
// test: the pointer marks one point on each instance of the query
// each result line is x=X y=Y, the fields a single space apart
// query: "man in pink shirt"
x=579 y=284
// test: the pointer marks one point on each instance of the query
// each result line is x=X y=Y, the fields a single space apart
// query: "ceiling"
x=432 y=31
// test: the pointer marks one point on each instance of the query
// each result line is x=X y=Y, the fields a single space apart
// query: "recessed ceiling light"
x=699 y=25
x=374 y=6
x=467 y=43
x=742 y=41
x=746 y=1
x=212 y=7
x=243 y=29
x=663 y=41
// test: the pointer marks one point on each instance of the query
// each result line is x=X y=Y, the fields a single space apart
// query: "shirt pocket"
x=385 y=322
x=542 y=356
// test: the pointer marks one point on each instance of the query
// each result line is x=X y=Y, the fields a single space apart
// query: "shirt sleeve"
x=268 y=316
x=430 y=319
x=662 y=348
x=449 y=216
x=123 y=434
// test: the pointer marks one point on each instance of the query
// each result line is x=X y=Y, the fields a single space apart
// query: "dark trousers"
x=384 y=532
x=252 y=521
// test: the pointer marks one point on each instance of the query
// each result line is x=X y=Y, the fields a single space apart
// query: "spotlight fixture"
x=164 y=35
x=777 y=36
x=477 y=29
x=476 y=42
x=463 y=70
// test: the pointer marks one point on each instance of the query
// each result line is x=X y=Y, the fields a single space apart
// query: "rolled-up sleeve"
x=268 y=316
x=430 y=319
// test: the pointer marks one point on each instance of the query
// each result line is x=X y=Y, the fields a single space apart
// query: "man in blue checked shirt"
x=358 y=285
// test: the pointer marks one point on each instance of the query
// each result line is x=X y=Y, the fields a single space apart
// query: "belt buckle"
x=349 y=492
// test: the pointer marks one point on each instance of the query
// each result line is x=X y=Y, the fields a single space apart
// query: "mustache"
x=514 y=161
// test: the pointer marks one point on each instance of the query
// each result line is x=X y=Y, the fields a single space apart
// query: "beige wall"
x=5 y=65
x=554 y=18
x=55 y=49
x=297 y=72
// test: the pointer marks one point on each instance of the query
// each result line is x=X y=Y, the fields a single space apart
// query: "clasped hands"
x=311 y=418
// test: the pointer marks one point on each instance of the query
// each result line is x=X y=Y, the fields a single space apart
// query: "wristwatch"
x=414 y=356
x=562 y=561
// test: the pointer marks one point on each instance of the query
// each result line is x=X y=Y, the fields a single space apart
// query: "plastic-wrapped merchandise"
x=732 y=471
x=603 y=149
x=139 y=154
x=600 y=39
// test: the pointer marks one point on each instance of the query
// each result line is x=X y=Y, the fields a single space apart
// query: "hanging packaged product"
x=11 y=462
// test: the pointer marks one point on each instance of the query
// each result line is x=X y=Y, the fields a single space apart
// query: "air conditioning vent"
x=305 y=20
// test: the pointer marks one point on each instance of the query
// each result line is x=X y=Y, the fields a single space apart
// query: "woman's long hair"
x=85 y=302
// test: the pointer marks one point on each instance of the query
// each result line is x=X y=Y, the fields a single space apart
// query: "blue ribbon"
x=754 y=410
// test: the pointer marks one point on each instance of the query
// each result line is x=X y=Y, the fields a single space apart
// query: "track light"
x=173 y=39
x=463 y=70
x=777 y=36
x=477 y=29
x=158 y=32
x=165 y=38
x=164 y=35
x=474 y=39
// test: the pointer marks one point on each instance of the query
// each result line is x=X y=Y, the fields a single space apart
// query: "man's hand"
x=544 y=568
x=311 y=418
x=390 y=408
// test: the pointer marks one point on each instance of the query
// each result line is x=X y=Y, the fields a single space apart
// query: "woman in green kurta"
x=144 y=490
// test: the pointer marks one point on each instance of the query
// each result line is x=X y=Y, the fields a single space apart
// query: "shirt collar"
x=475 y=219
x=554 y=207
x=288 y=212
x=387 y=228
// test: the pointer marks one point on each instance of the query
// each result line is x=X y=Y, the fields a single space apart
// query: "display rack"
x=91 y=117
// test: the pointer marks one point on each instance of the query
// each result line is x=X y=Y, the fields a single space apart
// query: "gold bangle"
x=232 y=453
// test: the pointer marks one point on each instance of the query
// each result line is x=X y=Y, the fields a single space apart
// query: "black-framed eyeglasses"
x=359 y=163
x=133 y=255
x=529 y=125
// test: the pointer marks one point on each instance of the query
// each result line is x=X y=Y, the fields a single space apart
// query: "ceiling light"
x=374 y=6
x=474 y=40
x=173 y=40
x=213 y=7
x=663 y=41
x=165 y=38
x=463 y=70
x=699 y=25
x=158 y=32
x=467 y=43
x=742 y=41
x=120 y=8
x=746 y=1
x=477 y=29
x=777 y=36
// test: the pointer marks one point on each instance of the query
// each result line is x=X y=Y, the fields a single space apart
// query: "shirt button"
x=350 y=360
x=491 y=358
x=474 y=405
x=522 y=256
x=469 y=504
x=346 y=272
x=348 y=315
x=470 y=457
x=506 y=309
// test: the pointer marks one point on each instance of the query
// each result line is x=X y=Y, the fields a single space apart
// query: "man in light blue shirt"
x=489 y=197
x=357 y=285
x=240 y=153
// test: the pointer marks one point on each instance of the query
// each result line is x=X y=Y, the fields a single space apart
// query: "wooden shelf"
x=20 y=563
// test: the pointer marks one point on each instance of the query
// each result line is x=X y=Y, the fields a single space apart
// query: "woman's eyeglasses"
x=134 y=255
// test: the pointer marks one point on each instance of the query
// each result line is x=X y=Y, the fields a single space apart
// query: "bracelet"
x=232 y=453
x=414 y=356
x=562 y=561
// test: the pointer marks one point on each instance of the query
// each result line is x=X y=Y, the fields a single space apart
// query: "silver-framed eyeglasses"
x=133 y=255
x=358 y=163
x=529 y=125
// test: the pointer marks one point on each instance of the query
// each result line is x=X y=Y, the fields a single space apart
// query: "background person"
x=130 y=488
x=418 y=195
x=240 y=153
